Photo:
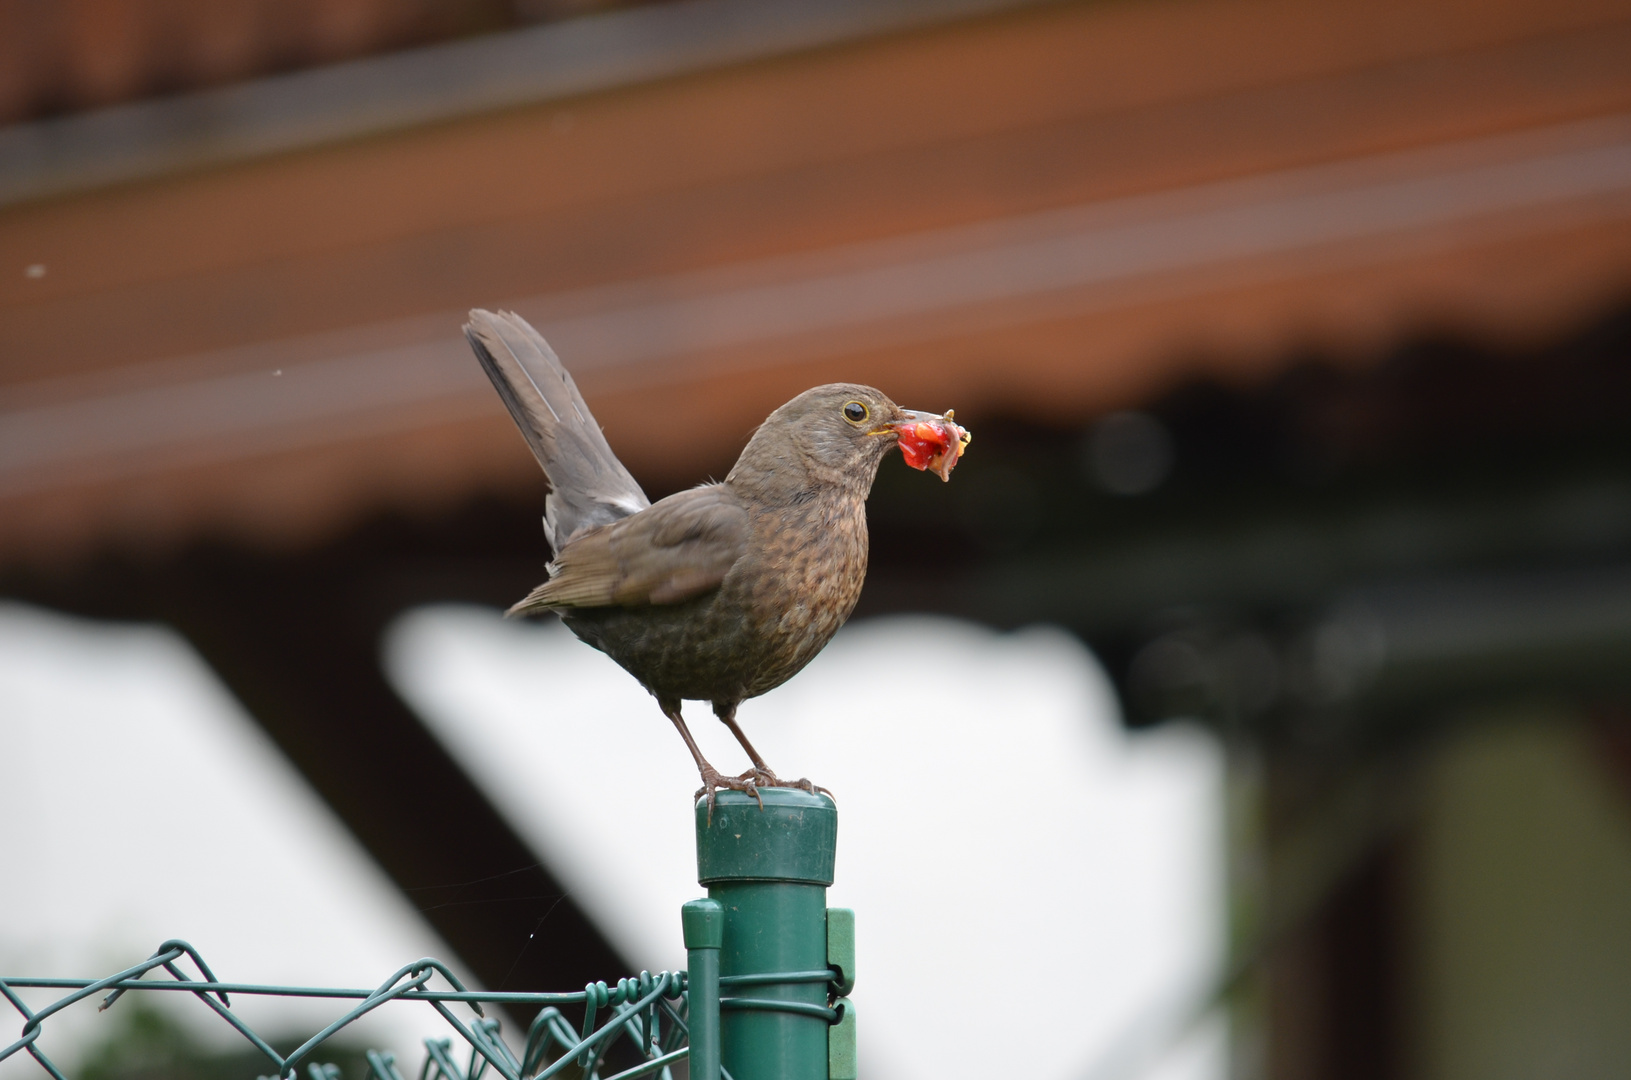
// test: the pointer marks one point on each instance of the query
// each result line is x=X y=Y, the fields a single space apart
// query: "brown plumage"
x=727 y=590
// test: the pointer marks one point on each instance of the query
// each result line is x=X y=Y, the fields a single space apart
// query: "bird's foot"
x=765 y=778
x=814 y=789
x=713 y=781
x=761 y=777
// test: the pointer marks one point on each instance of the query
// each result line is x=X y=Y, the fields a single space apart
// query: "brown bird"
x=725 y=591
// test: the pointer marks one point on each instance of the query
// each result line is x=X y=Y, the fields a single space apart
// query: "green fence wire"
x=648 y=1013
x=763 y=948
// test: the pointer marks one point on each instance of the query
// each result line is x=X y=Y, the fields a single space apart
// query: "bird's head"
x=840 y=432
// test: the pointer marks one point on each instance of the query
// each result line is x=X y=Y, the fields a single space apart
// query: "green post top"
x=794 y=838
x=704 y=923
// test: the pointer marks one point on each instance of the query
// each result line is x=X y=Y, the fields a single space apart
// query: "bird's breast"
x=797 y=581
x=801 y=581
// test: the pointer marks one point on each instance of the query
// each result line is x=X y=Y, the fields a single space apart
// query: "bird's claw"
x=713 y=781
x=765 y=778
x=761 y=777
x=815 y=788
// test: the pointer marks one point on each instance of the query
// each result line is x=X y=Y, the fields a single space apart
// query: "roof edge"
x=369 y=96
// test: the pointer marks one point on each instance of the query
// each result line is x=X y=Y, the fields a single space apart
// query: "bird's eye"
x=855 y=412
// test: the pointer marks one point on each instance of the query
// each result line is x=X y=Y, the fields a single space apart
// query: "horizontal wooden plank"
x=890 y=211
x=1044 y=108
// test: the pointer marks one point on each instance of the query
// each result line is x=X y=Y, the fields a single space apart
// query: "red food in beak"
x=932 y=442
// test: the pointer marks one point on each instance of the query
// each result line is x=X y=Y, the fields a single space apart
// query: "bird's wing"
x=589 y=485
x=681 y=547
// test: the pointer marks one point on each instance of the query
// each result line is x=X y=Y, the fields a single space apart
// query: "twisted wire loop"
x=828 y=1012
x=647 y=1011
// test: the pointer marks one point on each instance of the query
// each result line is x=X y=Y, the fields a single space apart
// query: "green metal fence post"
x=704 y=922
x=769 y=870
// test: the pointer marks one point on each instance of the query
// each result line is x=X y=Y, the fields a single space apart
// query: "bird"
x=724 y=591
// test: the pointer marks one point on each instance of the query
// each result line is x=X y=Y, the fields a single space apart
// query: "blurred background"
x=1264 y=671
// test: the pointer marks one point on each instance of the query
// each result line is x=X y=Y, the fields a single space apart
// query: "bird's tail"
x=589 y=486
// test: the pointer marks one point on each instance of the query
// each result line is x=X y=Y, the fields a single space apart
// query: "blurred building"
x=1297 y=337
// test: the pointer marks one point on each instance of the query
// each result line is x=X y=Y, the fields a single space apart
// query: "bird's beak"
x=928 y=441
x=904 y=420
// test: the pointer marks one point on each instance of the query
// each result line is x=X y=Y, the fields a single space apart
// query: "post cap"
x=704 y=923
x=793 y=838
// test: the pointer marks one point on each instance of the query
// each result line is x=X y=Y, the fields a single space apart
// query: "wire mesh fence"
x=645 y=1017
x=762 y=950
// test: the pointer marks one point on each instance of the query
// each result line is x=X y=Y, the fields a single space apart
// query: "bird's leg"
x=761 y=774
x=712 y=780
